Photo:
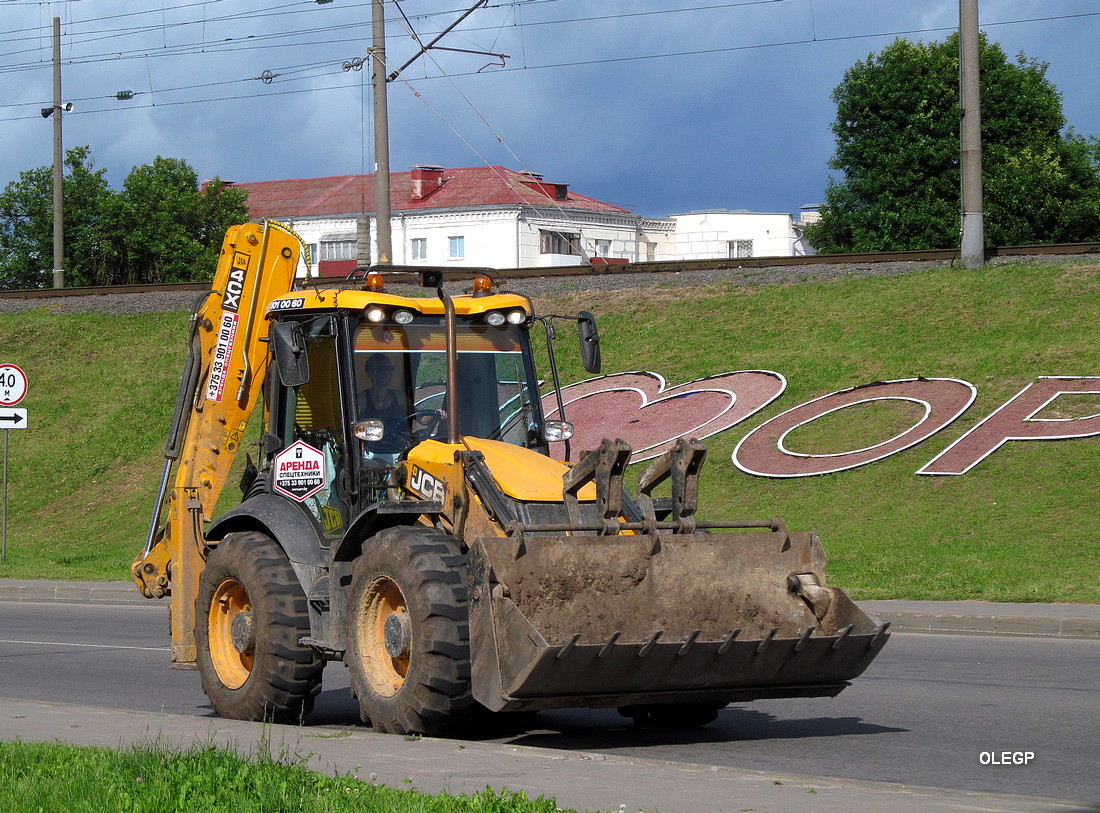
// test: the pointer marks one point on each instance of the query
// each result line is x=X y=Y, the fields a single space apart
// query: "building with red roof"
x=482 y=216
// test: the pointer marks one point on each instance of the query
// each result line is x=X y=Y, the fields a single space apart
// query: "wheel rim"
x=385 y=673
x=230 y=602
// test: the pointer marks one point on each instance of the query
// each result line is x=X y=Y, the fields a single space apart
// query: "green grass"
x=152 y=779
x=1019 y=527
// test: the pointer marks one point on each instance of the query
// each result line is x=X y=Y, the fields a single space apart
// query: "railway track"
x=670 y=266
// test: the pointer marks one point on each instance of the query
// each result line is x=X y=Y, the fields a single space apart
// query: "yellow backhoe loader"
x=404 y=517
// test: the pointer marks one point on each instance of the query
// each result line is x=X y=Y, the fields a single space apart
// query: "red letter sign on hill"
x=762 y=452
x=637 y=408
x=1016 y=420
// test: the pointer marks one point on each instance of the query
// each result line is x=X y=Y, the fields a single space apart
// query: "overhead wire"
x=553 y=203
x=328 y=67
x=202 y=45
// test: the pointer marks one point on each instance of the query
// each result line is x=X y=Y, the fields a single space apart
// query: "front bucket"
x=597 y=621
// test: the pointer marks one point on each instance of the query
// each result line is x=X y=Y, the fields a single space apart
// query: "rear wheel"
x=250 y=614
x=408 y=640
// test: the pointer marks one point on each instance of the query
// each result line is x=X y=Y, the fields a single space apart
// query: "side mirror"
x=590 y=341
x=290 y=353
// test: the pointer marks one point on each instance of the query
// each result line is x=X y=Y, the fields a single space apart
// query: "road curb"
x=989 y=618
x=71 y=592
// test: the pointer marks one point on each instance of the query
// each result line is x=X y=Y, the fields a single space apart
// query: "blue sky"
x=660 y=106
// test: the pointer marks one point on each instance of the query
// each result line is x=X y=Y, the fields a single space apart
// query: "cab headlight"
x=557 y=430
x=370 y=430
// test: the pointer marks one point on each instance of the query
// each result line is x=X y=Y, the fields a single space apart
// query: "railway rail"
x=668 y=266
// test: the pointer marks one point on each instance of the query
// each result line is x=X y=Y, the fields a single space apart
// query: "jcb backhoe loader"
x=406 y=518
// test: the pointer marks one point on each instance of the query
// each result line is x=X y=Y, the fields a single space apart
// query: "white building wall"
x=619 y=232
x=509 y=237
x=498 y=238
x=488 y=238
x=707 y=235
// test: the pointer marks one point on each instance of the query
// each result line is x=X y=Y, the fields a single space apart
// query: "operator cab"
x=369 y=383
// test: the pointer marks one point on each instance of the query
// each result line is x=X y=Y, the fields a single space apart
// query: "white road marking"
x=90 y=646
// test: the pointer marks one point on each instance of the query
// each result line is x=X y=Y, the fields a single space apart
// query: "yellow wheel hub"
x=232 y=645
x=384 y=670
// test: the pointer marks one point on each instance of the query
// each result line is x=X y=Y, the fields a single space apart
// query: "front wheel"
x=408 y=639
x=250 y=614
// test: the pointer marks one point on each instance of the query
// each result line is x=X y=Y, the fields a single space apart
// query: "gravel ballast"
x=160 y=301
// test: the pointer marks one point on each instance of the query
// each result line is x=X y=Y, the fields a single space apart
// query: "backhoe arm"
x=221 y=381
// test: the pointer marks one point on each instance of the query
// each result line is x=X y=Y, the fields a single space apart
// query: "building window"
x=740 y=248
x=419 y=248
x=457 y=247
x=559 y=242
x=312 y=249
x=603 y=248
x=337 y=250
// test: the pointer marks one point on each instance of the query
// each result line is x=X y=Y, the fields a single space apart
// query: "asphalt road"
x=924 y=713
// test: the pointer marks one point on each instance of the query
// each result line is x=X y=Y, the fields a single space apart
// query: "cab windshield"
x=401 y=379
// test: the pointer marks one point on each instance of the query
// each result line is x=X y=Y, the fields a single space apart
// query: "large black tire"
x=250 y=614
x=409 y=586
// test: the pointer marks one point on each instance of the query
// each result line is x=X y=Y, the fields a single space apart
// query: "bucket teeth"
x=688 y=641
x=843 y=636
x=565 y=650
x=767 y=640
x=727 y=642
x=610 y=644
x=648 y=645
x=802 y=641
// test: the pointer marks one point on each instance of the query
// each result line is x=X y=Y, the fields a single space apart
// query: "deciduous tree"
x=26 y=224
x=897 y=130
x=160 y=227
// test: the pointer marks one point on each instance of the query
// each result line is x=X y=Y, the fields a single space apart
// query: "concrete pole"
x=970 y=137
x=58 y=165
x=381 y=134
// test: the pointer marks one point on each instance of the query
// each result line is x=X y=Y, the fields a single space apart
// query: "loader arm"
x=222 y=378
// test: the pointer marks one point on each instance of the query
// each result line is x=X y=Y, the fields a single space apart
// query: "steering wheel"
x=427 y=421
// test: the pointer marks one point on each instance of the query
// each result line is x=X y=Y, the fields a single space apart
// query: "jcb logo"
x=426 y=486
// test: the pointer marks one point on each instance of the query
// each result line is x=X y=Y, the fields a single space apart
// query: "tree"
x=897 y=130
x=26 y=224
x=166 y=228
x=160 y=227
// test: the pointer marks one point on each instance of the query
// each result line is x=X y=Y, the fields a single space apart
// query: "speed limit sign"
x=13 y=385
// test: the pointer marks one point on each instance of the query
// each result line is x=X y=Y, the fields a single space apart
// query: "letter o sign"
x=762 y=451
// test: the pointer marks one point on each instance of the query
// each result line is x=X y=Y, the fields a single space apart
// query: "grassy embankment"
x=1019 y=527
x=206 y=778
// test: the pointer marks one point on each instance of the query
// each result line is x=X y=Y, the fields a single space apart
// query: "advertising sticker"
x=299 y=471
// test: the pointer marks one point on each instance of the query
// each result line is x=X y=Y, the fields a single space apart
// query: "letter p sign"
x=1016 y=420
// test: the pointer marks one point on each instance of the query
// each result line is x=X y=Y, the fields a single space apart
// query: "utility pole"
x=379 y=81
x=381 y=133
x=58 y=165
x=970 y=137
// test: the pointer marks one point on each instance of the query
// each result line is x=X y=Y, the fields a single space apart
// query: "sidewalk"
x=577 y=780
x=976 y=617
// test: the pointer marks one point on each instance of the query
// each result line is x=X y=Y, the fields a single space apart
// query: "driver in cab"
x=382 y=401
